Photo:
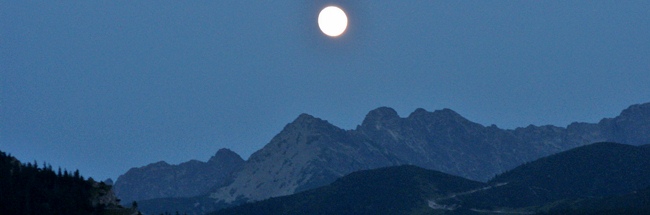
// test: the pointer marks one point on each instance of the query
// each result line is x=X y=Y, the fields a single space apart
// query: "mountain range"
x=310 y=152
x=606 y=178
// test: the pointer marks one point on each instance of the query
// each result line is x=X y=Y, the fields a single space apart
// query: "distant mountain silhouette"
x=310 y=152
x=192 y=178
x=602 y=178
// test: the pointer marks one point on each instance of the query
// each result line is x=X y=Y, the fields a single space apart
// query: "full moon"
x=332 y=21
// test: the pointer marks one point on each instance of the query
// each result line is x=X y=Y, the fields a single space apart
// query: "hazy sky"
x=103 y=86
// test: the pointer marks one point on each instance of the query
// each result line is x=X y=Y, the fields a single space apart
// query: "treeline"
x=33 y=189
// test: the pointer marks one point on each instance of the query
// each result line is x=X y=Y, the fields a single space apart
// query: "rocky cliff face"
x=160 y=180
x=309 y=152
x=632 y=126
x=445 y=141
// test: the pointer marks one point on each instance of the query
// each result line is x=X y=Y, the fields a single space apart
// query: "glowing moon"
x=332 y=21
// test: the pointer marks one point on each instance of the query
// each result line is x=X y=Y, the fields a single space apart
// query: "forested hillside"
x=33 y=189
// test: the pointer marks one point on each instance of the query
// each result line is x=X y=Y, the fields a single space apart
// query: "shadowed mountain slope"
x=596 y=170
x=636 y=202
x=390 y=190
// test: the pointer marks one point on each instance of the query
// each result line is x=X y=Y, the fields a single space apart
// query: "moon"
x=332 y=21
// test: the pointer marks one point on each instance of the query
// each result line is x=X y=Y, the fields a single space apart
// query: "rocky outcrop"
x=192 y=178
x=104 y=195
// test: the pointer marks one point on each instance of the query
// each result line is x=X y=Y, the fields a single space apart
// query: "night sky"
x=103 y=86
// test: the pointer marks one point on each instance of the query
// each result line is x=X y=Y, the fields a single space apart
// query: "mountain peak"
x=225 y=155
x=159 y=164
x=637 y=110
x=445 y=114
x=418 y=113
x=305 y=118
x=306 y=121
x=224 y=151
x=381 y=114
x=632 y=126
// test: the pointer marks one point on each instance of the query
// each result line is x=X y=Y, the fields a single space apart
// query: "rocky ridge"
x=310 y=152
x=192 y=178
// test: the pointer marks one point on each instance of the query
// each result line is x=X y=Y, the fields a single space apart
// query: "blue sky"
x=103 y=86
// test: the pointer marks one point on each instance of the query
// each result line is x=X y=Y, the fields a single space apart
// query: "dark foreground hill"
x=598 y=178
x=390 y=190
x=30 y=189
x=589 y=172
x=637 y=202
